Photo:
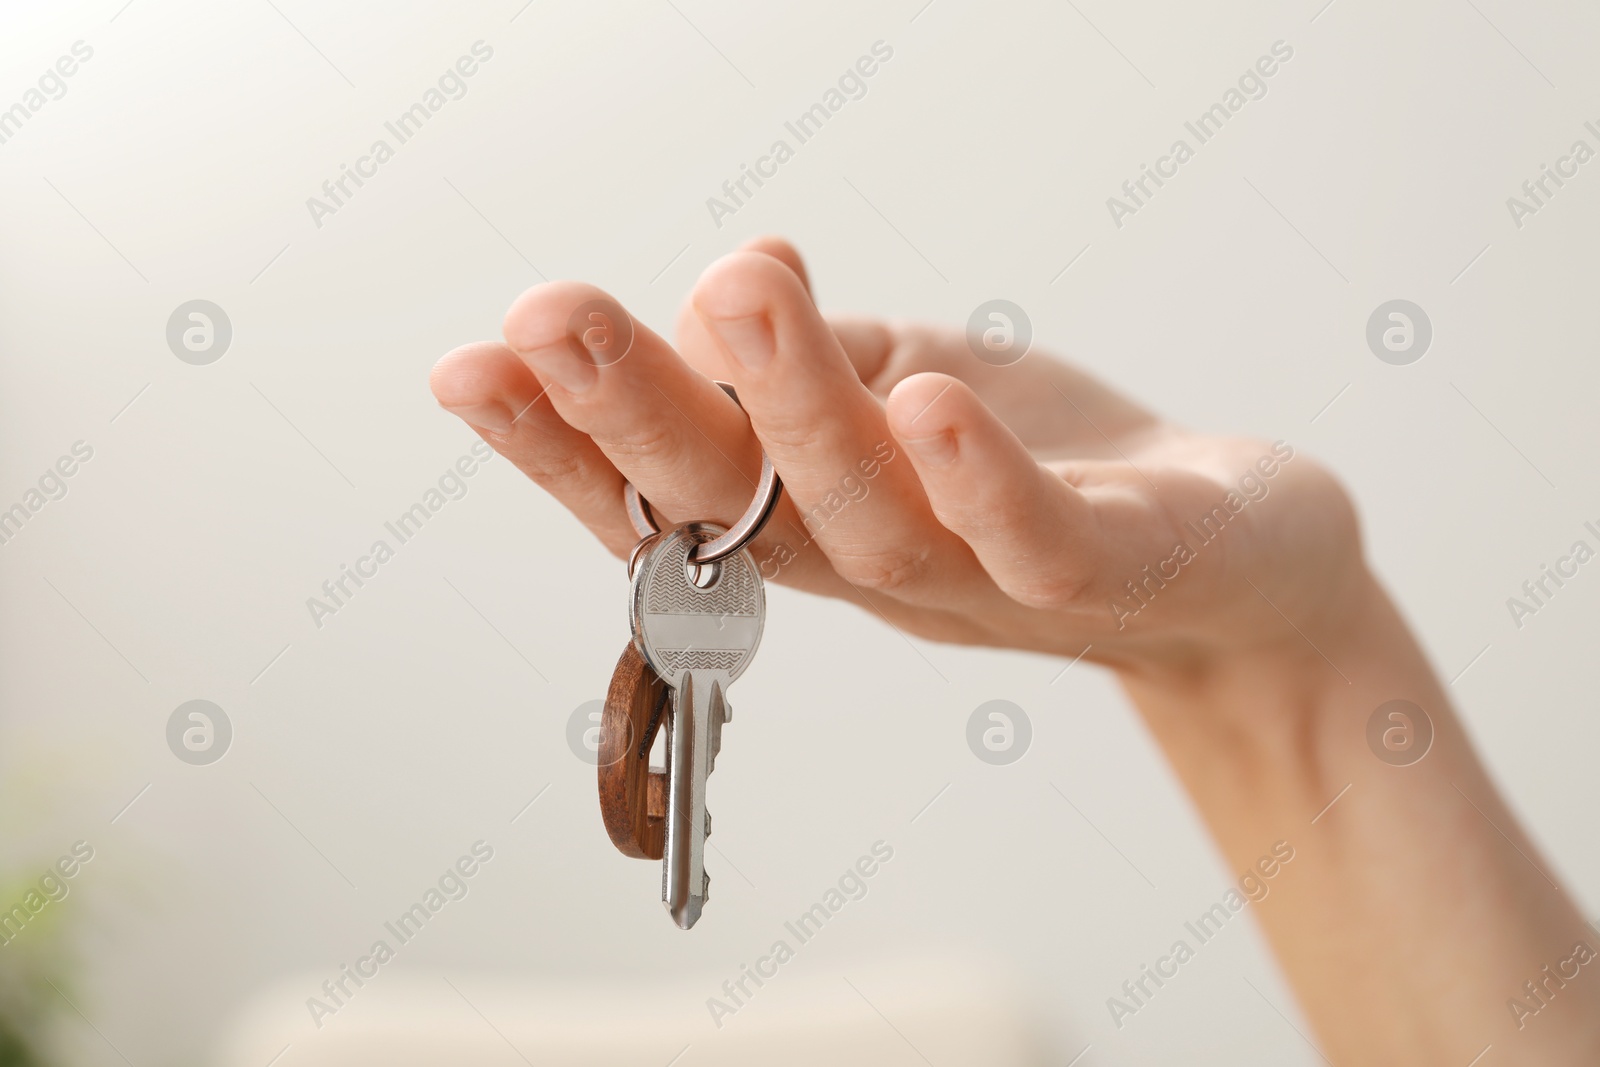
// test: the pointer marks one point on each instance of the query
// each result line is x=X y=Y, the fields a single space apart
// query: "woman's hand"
x=1027 y=506
x=1024 y=506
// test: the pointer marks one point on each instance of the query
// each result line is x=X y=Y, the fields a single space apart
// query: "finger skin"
x=781 y=250
x=666 y=427
x=670 y=430
x=869 y=344
x=1037 y=537
x=493 y=391
x=1089 y=540
x=820 y=424
x=696 y=344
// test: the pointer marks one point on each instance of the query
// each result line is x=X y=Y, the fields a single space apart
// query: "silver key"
x=698 y=639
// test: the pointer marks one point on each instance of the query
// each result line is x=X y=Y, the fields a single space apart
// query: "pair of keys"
x=697 y=608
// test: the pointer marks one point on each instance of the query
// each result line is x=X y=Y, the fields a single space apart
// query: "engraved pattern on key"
x=736 y=591
x=697 y=659
x=698 y=641
x=683 y=627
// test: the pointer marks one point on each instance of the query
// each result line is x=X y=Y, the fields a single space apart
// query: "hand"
x=1014 y=506
x=1008 y=506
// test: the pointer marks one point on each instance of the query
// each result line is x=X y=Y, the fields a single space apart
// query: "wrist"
x=1409 y=868
x=1271 y=719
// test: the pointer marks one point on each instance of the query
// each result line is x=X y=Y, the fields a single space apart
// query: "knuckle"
x=564 y=467
x=552 y=466
x=1027 y=556
x=1052 y=589
x=798 y=434
x=885 y=571
x=650 y=441
x=998 y=514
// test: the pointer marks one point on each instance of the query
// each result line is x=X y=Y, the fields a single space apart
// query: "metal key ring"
x=740 y=534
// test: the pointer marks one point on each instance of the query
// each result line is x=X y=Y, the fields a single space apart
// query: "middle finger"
x=670 y=430
x=828 y=436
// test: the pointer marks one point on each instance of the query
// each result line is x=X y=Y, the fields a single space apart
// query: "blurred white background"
x=369 y=754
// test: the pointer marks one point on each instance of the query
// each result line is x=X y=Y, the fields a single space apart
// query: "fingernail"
x=566 y=368
x=936 y=451
x=749 y=339
x=491 y=415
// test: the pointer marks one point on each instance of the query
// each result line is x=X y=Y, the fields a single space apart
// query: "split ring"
x=740 y=534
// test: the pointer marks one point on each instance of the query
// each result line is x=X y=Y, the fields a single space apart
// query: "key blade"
x=697 y=704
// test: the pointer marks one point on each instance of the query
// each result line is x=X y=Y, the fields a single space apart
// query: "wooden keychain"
x=633 y=795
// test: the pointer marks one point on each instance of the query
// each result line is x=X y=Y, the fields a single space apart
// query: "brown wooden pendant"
x=633 y=796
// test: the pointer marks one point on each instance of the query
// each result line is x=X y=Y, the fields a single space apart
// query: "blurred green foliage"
x=33 y=979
